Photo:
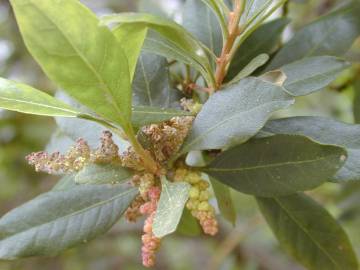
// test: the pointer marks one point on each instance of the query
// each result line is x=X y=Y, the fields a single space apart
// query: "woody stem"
x=234 y=30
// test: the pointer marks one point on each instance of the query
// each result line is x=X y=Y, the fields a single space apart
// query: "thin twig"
x=234 y=31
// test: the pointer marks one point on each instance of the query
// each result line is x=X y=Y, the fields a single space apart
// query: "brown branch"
x=234 y=30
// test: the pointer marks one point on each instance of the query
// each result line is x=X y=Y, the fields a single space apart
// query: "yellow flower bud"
x=204 y=195
x=203 y=185
x=193 y=178
x=180 y=174
x=203 y=206
x=194 y=193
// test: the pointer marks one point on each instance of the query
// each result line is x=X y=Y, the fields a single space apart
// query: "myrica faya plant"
x=184 y=114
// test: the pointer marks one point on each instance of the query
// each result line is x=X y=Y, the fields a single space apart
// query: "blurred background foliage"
x=250 y=245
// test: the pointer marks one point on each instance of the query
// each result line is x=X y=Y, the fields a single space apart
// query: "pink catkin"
x=150 y=243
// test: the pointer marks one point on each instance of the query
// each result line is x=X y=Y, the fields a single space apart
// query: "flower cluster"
x=166 y=138
x=150 y=243
x=77 y=157
x=73 y=160
x=145 y=205
x=199 y=196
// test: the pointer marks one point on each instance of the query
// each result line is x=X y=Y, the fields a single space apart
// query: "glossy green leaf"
x=151 y=85
x=201 y=21
x=332 y=34
x=61 y=219
x=170 y=207
x=235 y=114
x=224 y=200
x=309 y=233
x=263 y=40
x=325 y=131
x=254 y=64
x=82 y=57
x=276 y=166
x=311 y=74
x=157 y=44
x=172 y=31
x=23 y=98
x=131 y=39
x=102 y=174
x=144 y=115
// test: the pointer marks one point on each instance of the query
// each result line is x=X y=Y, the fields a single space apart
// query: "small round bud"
x=203 y=206
x=204 y=195
x=194 y=193
x=193 y=178
x=203 y=185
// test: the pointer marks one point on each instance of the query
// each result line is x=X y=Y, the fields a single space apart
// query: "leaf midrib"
x=274 y=165
x=40 y=105
x=162 y=112
x=306 y=232
x=312 y=77
x=87 y=63
x=101 y=203
x=209 y=130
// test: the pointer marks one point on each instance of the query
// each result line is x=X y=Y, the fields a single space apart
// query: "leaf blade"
x=240 y=110
x=326 y=131
x=312 y=74
x=45 y=229
x=277 y=166
x=170 y=207
x=23 y=98
x=99 y=174
x=342 y=25
x=308 y=232
x=85 y=72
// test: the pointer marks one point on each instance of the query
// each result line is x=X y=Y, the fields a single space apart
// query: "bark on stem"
x=234 y=31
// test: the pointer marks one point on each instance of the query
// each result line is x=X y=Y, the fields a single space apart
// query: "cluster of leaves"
x=236 y=70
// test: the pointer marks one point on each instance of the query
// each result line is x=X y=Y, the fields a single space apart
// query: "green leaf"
x=76 y=128
x=65 y=183
x=308 y=232
x=157 y=44
x=311 y=74
x=332 y=34
x=188 y=225
x=144 y=115
x=235 y=114
x=151 y=85
x=254 y=64
x=61 y=219
x=256 y=12
x=224 y=200
x=172 y=31
x=325 y=131
x=356 y=104
x=201 y=21
x=96 y=174
x=23 y=98
x=218 y=7
x=263 y=40
x=276 y=166
x=131 y=39
x=170 y=207
x=82 y=57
